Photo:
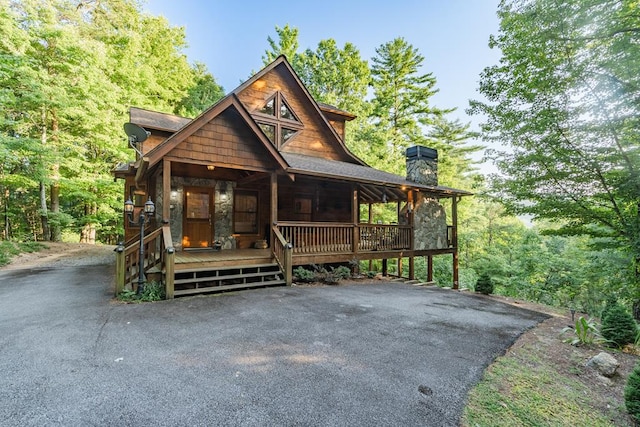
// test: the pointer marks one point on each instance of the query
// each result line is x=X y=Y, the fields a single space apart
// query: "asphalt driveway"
x=367 y=354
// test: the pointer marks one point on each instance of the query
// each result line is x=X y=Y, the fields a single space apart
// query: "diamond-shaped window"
x=277 y=120
x=269 y=130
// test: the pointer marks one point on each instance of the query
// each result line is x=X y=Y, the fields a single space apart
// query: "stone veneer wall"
x=223 y=217
x=423 y=171
x=223 y=220
x=430 y=221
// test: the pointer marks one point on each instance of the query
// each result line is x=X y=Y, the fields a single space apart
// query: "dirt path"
x=62 y=255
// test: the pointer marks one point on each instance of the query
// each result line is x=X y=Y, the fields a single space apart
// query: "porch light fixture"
x=223 y=193
x=211 y=167
x=145 y=216
x=384 y=197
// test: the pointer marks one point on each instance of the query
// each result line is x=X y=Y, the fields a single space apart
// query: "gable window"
x=277 y=120
x=269 y=130
x=269 y=108
x=245 y=212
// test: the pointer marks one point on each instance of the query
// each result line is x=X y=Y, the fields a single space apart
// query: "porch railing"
x=282 y=252
x=323 y=238
x=318 y=237
x=382 y=237
x=158 y=255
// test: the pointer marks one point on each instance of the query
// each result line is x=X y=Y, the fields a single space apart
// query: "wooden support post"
x=120 y=269
x=454 y=237
x=385 y=268
x=288 y=264
x=274 y=199
x=355 y=216
x=400 y=267
x=455 y=271
x=412 y=269
x=169 y=275
x=429 y=268
x=166 y=190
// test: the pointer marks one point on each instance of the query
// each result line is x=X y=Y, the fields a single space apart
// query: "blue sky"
x=230 y=37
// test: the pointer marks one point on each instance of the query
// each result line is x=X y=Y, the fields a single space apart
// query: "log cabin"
x=262 y=182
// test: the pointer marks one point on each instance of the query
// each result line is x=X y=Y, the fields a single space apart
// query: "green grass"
x=10 y=249
x=519 y=391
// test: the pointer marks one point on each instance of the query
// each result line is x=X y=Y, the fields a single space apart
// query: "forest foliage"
x=562 y=102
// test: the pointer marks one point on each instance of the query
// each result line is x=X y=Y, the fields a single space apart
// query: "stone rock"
x=430 y=224
x=604 y=363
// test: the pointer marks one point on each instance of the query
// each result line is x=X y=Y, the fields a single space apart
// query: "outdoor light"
x=143 y=219
x=211 y=167
x=128 y=206
x=384 y=197
x=149 y=207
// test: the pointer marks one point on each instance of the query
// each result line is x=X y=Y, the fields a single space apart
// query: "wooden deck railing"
x=332 y=238
x=313 y=238
x=158 y=253
x=381 y=237
x=282 y=252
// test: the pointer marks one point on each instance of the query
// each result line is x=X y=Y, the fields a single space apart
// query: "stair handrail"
x=283 y=253
x=168 y=265
x=128 y=264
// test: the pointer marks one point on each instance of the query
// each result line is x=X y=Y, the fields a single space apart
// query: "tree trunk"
x=44 y=218
x=56 y=229
x=44 y=215
x=56 y=232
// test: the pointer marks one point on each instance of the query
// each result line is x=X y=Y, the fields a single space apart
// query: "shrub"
x=153 y=291
x=301 y=274
x=611 y=301
x=341 y=272
x=618 y=327
x=484 y=284
x=632 y=393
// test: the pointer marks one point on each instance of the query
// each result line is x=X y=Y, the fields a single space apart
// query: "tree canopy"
x=69 y=70
x=564 y=103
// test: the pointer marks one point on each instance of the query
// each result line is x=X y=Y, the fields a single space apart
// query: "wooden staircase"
x=198 y=280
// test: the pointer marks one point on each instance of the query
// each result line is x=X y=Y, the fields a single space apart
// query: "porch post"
x=454 y=238
x=169 y=273
x=429 y=268
x=355 y=218
x=166 y=190
x=120 y=269
x=274 y=199
x=412 y=268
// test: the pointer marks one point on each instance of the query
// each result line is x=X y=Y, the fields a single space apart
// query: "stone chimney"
x=422 y=165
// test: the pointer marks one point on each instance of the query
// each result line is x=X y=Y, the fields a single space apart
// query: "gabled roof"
x=335 y=110
x=282 y=60
x=316 y=166
x=156 y=120
x=229 y=101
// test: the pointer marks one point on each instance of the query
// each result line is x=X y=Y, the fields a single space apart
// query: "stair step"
x=226 y=277
x=182 y=292
x=239 y=267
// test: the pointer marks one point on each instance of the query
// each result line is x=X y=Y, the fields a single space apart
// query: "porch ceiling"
x=200 y=171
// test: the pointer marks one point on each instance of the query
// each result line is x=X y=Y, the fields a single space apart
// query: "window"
x=245 y=212
x=286 y=134
x=277 y=120
x=269 y=130
x=285 y=112
x=269 y=108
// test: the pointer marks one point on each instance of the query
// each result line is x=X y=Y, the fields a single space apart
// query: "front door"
x=198 y=218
